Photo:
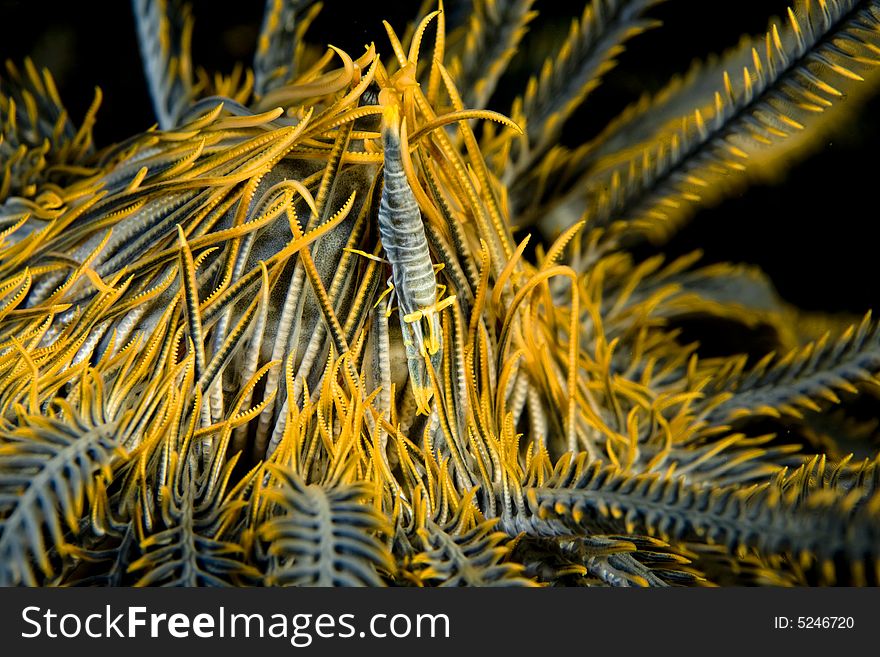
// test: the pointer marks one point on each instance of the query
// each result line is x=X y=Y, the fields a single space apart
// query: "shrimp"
x=412 y=272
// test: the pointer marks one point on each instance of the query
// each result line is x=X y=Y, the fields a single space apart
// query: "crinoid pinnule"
x=336 y=321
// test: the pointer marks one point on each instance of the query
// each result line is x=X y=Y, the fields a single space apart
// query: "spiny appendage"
x=405 y=244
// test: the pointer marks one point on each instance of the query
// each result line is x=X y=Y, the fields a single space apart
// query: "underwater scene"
x=472 y=293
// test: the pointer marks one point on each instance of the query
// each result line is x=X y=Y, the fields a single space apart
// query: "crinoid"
x=289 y=336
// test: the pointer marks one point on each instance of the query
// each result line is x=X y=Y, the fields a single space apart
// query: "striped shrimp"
x=412 y=272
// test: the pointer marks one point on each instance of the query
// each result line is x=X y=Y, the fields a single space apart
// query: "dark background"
x=813 y=233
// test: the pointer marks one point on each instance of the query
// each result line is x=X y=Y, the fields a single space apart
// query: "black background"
x=813 y=233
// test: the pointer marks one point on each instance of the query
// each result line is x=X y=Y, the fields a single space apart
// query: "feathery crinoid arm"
x=813 y=519
x=607 y=560
x=652 y=116
x=279 y=42
x=39 y=144
x=196 y=539
x=771 y=91
x=465 y=551
x=481 y=50
x=325 y=535
x=589 y=51
x=53 y=471
x=676 y=291
x=164 y=30
x=800 y=380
